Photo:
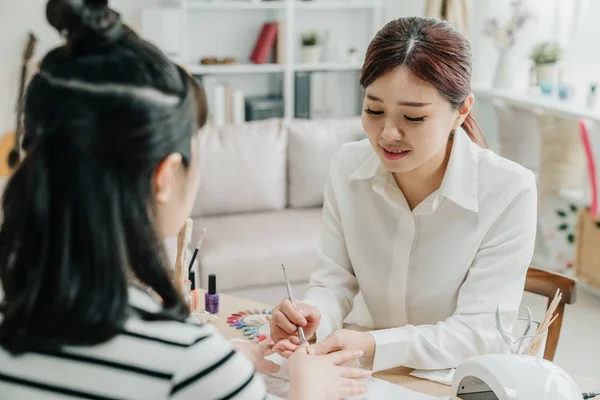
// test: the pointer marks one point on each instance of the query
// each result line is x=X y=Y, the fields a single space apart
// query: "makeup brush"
x=191 y=273
x=183 y=239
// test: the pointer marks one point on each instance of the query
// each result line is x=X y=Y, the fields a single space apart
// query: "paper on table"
x=277 y=388
x=377 y=389
x=278 y=385
x=380 y=389
x=443 y=376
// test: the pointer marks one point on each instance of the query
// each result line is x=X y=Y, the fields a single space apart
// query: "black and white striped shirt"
x=148 y=360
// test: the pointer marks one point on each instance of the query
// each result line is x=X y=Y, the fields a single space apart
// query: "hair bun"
x=85 y=23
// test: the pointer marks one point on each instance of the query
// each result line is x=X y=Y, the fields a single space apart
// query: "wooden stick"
x=183 y=239
x=535 y=344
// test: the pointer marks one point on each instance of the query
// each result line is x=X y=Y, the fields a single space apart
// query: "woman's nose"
x=391 y=133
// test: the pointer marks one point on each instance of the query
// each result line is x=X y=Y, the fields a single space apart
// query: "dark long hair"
x=434 y=51
x=104 y=110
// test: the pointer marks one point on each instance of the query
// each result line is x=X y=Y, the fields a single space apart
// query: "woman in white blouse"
x=111 y=170
x=435 y=230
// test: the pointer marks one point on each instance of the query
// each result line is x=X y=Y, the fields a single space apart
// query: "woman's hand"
x=256 y=353
x=325 y=377
x=286 y=318
x=342 y=339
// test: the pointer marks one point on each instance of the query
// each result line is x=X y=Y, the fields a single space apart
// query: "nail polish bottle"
x=211 y=298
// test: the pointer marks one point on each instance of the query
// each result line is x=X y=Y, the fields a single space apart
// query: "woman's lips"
x=394 y=154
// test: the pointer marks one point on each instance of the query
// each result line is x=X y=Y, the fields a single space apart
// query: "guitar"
x=10 y=143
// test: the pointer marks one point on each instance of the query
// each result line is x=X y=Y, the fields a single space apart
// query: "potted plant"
x=311 y=51
x=545 y=55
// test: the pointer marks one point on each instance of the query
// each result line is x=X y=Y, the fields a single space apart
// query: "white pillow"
x=312 y=144
x=242 y=168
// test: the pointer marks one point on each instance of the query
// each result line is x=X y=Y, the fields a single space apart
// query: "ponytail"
x=73 y=232
x=474 y=132
x=102 y=113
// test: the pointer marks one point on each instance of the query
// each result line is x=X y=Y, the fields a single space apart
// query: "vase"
x=503 y=75
x=545 y=77
x=311 y=54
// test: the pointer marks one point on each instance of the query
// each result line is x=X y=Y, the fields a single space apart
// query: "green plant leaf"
x=571 y=238
x=545 y=53
x=563 y=227
x=561 y=213
x=573 y=207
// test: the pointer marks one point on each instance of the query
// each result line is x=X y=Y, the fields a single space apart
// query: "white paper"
x=377 y=390
x=380 y=389
x=278 y=385
x=443 y=376
x=277 y=388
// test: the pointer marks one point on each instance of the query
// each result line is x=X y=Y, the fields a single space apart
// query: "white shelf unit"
x=287 y=11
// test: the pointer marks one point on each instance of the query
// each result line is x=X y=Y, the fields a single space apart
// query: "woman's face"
x=175 y=188
x=408 y=122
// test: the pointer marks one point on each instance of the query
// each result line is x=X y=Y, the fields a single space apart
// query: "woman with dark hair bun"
x=433 y=229
x=111 y=170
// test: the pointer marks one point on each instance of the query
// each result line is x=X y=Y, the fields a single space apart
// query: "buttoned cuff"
x=391 y=348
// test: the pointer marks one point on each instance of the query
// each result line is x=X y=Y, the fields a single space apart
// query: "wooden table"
x=400 y=376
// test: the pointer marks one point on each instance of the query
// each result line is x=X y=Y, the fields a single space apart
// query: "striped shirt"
x=148 y=360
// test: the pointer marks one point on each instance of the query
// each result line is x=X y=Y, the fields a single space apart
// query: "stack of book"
x=228 y=105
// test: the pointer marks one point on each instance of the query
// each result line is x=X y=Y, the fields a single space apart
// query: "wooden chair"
x=545 y=283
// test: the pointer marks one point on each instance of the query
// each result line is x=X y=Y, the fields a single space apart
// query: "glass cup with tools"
x=525 y=337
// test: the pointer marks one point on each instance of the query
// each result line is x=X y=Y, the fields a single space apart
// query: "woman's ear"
x=164 y=177
x=463 y=111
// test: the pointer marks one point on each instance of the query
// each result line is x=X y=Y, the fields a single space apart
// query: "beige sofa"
x=260 y=200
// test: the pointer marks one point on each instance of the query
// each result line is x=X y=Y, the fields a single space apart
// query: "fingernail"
x=359 y=353
x=312 y=351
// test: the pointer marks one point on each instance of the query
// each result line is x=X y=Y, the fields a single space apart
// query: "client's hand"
x=342 y=339
x=256 y=353
x=324 y=377
x=286 y=318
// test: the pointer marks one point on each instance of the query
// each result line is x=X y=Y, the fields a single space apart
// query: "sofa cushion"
x=242 y=168
x=312 y=144
x=248 y=249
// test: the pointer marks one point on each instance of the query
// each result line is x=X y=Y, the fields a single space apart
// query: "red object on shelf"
x=264 y=43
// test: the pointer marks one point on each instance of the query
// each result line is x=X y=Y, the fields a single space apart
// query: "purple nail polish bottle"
x=211 y=298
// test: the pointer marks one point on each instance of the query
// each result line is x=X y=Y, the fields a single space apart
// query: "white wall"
x=403 y=8
x=18 y=17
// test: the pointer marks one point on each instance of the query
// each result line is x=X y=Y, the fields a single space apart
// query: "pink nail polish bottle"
x=211 y=298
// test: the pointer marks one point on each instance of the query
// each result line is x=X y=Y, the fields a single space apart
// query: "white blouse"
x=432 y=277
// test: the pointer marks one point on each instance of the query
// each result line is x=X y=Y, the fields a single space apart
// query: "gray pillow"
x=242 y=168
x=312 y=145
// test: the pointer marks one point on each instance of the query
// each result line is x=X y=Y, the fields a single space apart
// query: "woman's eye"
x=418 y=119
x=371 y=112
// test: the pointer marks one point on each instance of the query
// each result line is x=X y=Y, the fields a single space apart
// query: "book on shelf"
x=218 y=108
x=302 y=95
x=265 y=43
x=279 y=57
x=228 y=105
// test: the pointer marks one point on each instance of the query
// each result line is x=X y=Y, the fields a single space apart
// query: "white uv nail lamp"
x=512 y=377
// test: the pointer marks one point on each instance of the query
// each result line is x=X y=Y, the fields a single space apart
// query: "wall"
x=18 y=17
